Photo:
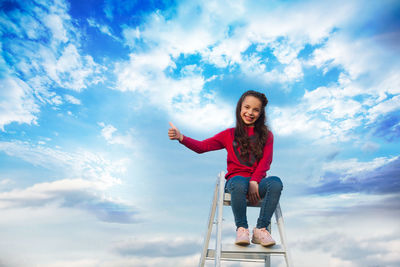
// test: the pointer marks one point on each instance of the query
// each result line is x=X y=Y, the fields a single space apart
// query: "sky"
x=88 y=176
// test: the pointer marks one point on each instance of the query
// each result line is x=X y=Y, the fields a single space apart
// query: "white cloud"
x=143 y=72
x=182 y=98
x=79 y=164
x=72 y=99
x=70 y=193
x=69 y=70
x=54 y=61
x=5 y=182
x=222 y=33
x=17 y=103
x=109 y=133
x=344 y=219
x=352 y=167
x=211 y=116
x=34 y=29
x=384 y=107
x=357 y=56
x=83 y=178
x=56 y=24
x=102 y=28
x=335 y=112
x=286 y=52
x=295 y=121
x=293 y=71
x=131 y=35
x=370 y=147
x=228 y=51
x=189 y=32
x=356 y=100
x=303 y=21
x=362 y=56
x=42 y=193
x=332 y=102
x=355 y=250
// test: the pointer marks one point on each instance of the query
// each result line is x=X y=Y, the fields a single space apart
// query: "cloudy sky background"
x=88 y=176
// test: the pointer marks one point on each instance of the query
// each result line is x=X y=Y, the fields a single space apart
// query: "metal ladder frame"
x=252 y=253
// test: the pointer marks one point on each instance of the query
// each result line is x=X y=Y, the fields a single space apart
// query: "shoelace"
x=243 y=230
x=267 y=234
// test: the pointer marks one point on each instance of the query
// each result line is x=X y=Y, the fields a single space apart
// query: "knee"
x=276 y=184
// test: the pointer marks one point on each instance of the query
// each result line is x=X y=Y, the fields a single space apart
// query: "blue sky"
x=88 y=176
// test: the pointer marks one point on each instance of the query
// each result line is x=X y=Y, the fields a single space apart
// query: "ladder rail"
x=282 y=234
x=218 y=243
x=209 y=227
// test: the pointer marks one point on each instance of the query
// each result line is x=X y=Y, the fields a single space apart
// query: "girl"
x=249 y=146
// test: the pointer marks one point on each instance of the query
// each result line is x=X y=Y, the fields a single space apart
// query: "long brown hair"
x=261 y=130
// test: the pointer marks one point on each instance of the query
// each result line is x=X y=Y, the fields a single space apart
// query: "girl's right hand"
x=174 y=133
x=254 y=196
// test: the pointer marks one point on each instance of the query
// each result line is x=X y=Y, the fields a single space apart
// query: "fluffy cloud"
x=41 y=46
x=81 y=163
x=356 y=100
x=70 y=69
x=83 y=180
x=17 y=102
x=70 y=193
x=357 y=251
x=102 y=28
x=109 y=133
x=183 y=98
x=331 y=112
x=321 y=113
x=334 y=113
x=72 y=99
x=379 y=176
x=226 y=39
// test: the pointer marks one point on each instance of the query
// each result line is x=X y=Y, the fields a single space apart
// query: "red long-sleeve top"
x=256 y=170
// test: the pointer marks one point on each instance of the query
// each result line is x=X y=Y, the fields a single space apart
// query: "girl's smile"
x=250 y=110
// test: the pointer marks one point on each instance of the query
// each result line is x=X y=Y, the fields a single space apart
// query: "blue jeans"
x=269 y=189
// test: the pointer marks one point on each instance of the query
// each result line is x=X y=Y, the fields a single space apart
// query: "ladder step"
x=251 y=252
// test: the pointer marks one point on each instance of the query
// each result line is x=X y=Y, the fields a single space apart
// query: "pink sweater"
x=256 y=170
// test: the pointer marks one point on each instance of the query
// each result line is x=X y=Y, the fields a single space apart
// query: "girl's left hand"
x=254 y=196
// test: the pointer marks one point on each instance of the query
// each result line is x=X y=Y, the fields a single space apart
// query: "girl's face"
x=250 y=110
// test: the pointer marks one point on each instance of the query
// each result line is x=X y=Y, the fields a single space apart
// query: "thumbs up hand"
x=174 y=133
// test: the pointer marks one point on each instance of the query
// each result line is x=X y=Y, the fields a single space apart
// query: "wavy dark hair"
x=261 y=130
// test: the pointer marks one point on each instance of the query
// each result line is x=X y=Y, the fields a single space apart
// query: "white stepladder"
x=232 y=252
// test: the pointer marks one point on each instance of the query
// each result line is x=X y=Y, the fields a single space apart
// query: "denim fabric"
x=269 y=189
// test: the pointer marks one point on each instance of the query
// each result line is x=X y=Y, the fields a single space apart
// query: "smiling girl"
x=249 y=146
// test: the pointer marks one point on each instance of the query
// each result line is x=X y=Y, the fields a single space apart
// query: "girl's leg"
x=238 y=186
x=270 y=190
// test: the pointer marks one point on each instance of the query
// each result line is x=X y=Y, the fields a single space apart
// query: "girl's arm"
x=214 y=143
x=265 y=162
x=210 y=144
